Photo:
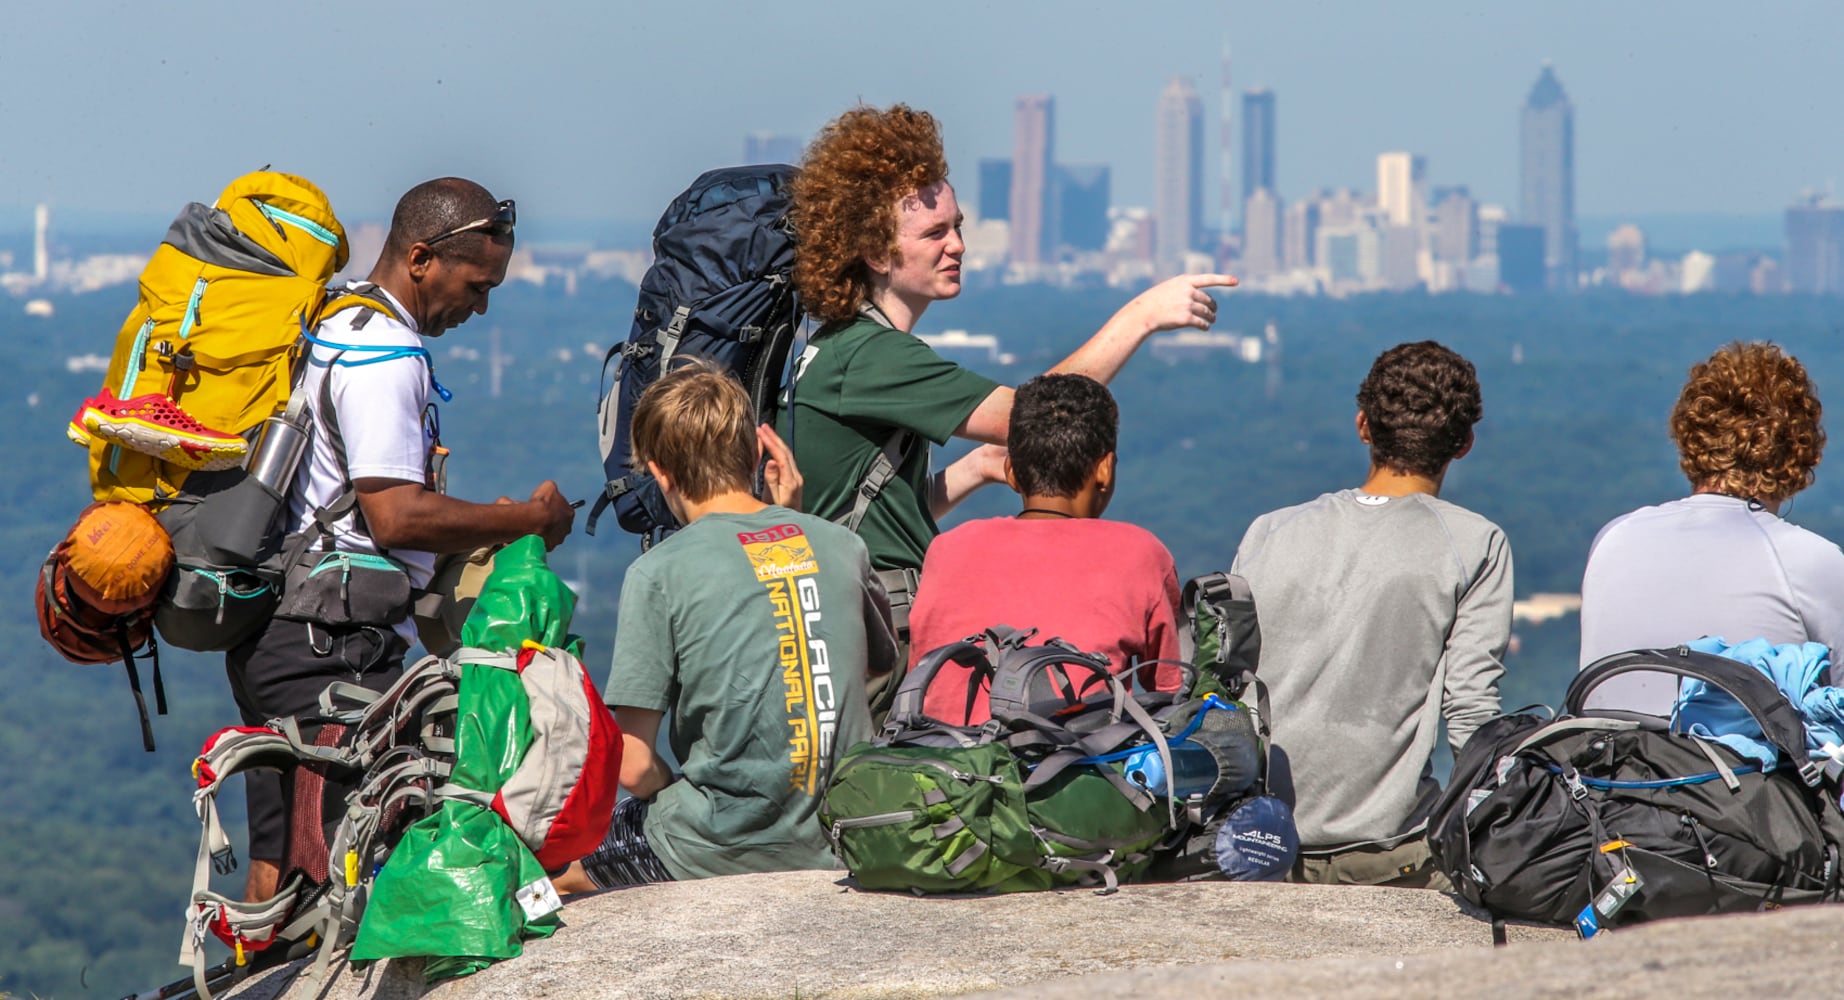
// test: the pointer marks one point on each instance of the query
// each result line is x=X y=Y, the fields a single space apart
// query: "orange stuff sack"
x=69 y=617
x=119 y=556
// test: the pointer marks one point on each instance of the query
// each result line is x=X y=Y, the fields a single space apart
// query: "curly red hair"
x=845 y=199
x=1748 y=424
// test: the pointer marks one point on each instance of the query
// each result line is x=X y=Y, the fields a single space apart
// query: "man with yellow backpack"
x=366 y=501
x=287 y=442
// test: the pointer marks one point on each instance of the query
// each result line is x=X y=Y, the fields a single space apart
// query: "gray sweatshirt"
x=1379 y=615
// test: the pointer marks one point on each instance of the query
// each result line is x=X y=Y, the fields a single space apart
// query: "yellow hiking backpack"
x=223 y=304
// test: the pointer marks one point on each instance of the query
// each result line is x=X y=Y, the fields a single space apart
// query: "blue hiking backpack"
x=720 y=288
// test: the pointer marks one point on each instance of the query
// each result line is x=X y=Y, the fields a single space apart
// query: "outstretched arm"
x=977 y=468
x=1178 y=302
x=406 y=515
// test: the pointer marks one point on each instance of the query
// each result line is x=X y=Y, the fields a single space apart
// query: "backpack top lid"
x=727 y=228
x=118 y=556
x=268 y=201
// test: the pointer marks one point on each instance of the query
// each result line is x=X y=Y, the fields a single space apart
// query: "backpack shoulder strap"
x=906 y=709
x=889 y=459
x=363 y=295
x=1779 y=720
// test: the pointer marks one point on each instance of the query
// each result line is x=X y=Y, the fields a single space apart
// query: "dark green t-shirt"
x=855 y=385
x=755 y=631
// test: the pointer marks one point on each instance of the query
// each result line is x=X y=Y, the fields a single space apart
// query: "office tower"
x=1626 y=249
x=1350 y=253
x=995 y=190
x=1398 y=256
x=1402 y=191
x=1082 y=205
x=1258 y=142
x=1456 y=225
x=1033 y=151
x=1178 y=172
x=1261 y=233
x=1226 y=136
x=1815 y=246
x=1302 y=232
x=1490 y=218
x=41 y=243
x=1547 y=141
x=768 y=147
x=1521 y=264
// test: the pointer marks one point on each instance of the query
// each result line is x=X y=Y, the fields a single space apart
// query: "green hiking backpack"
x=1034 y=798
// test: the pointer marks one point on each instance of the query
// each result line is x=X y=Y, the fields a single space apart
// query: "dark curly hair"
x=1421 y=401
x=845 y=197
x=1748 y=423
x=1061 y=426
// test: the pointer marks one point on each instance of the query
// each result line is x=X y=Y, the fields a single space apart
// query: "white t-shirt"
x=1704 y=565
x=380 y=411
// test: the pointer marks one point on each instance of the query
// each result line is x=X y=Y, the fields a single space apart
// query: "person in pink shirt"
x=1104 y=586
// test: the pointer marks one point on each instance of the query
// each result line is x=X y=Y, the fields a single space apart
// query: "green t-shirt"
x=754 y=631
x=855 y=386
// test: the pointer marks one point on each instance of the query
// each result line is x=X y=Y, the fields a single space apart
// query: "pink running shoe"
x=155 y=425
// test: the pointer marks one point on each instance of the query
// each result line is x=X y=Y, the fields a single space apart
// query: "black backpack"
x=1601 y=817
x=720 y=288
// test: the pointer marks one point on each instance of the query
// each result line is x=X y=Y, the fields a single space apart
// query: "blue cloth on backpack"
x=1795 y=668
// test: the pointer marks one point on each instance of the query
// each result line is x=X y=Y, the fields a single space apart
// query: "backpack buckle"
x=1577 y=790
x=1811 y=773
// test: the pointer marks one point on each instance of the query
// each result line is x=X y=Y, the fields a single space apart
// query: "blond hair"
x=696 y=424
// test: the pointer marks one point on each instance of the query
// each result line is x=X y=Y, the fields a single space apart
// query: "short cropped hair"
x=1422 y=401
x=696 y=423
x=1061 y=426
x=845 y=196
x=1748 y=423
x=434 y=207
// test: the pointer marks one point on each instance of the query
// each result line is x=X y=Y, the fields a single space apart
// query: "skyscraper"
x=1301 y=232
x=1261 y=232
x=1521 y=268
x=1815 y=246
x=768 y=147
x=1226 y=137
x=1258 y=142
x=1178 y=172
x=1033 y=153
x=1402 y=188
x=995 y=189
x=41 y=245
x=1456 y=225
x=1547 y=141
x=1082 y=205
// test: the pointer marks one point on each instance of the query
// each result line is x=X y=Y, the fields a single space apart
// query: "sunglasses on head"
x=498 y=224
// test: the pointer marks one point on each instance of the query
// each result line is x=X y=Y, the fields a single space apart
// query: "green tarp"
x=451 y=888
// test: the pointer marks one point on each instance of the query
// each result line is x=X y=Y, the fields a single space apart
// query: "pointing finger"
x=1214 y=280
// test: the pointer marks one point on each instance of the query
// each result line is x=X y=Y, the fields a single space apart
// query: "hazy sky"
x=603 y=110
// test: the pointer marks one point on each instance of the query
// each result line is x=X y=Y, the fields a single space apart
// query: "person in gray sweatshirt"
x=1383 y=609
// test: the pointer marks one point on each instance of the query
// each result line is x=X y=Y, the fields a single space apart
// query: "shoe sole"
x=165 y=443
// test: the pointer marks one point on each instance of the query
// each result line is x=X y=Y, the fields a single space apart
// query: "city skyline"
x=1691 y=114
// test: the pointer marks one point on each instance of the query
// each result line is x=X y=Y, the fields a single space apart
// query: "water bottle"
x=278 y=451
x=1194 y=770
